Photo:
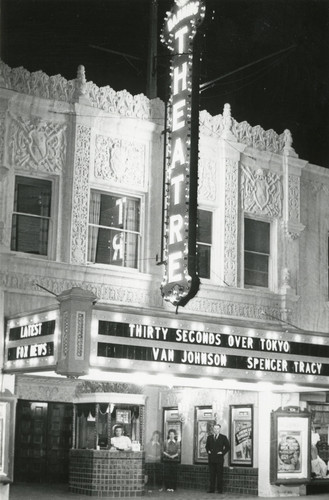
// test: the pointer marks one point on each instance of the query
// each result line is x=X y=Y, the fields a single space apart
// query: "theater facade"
x=88 y=339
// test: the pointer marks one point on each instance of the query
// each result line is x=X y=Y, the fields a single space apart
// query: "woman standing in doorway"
x=171 y=456
x=153 y=456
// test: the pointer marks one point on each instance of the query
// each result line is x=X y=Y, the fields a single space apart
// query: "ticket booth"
x=108 y=470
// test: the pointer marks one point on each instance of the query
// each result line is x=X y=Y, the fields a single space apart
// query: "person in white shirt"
x=119 y=441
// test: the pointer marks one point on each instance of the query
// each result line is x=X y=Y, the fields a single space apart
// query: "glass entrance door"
x=42 y=442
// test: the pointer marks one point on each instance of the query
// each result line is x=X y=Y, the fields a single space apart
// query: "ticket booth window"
x=95 y=424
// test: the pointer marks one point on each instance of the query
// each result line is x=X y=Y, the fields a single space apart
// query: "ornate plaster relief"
x=261 y=192
x=120 y=161
x=231 y=223
x=207 y=179
x=36 y=144
x=79 y=233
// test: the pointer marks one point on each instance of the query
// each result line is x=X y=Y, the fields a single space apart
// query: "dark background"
x=287 y=90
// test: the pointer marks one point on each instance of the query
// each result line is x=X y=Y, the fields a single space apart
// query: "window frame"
x=211 y=245
x=271 y=259
x=327 y=266
x=118 y=194
x=52 y=225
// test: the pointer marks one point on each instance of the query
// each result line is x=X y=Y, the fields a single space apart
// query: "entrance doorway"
x=43 y=440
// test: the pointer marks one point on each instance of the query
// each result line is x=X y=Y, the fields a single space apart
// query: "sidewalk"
x=28 y=491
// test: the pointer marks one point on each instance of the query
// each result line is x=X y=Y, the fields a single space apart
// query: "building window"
x=204 y=241
x=31 y=216
x=114 y=230
x=256 y=253
x=328 y=268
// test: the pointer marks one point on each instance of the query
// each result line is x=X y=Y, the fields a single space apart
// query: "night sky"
x=281 y=44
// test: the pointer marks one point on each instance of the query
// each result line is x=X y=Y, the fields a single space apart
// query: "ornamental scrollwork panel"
x=207 y=180
x=3 y=107
x=36 y=144
x=80 y=196
x=65 y=334
x=211 y=125
x=80 y=335
x=119 y=161
x=231 y=224
x=293 y=198
x=122 y=102
x=231 y=308
x=38 y=83
x=109 y=293
x=41 y=389
x=256 y=137
x=261 y=192
x=4 y=222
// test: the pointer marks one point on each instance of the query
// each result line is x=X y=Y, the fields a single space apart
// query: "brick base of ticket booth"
x=107 y=474
x=196 y=477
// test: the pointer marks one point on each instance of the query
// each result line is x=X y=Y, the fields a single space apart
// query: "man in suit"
x=217 y=446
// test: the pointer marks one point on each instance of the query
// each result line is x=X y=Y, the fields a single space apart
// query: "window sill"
x=29 y=255
x=110 y=267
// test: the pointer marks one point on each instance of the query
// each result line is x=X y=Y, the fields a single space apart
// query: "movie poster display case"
x=203 y=425
x=7 y=432
x=290 y=446
x=241 y=435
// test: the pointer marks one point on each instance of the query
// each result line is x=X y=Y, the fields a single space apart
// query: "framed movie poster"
x=123 y=416
x=7 y=432
x=203 y=427
x=241 y=435
x=290 y=446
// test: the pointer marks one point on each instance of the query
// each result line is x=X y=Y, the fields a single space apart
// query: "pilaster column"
x=80 y=195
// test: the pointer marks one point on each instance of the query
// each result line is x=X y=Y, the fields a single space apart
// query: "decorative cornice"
x=37 y=84
x=226 y=127
x=107 y=293
x=45 y=389
x=124 y=103
x=232 y=308
x=56 y=87
x=90 y=386
x=207 y=303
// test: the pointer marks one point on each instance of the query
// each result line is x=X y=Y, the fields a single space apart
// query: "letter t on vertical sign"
x=181 y=281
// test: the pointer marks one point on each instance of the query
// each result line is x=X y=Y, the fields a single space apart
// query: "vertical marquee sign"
x=181 y=281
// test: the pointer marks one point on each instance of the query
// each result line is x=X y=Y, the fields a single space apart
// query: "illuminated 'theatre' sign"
x=181 y=281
